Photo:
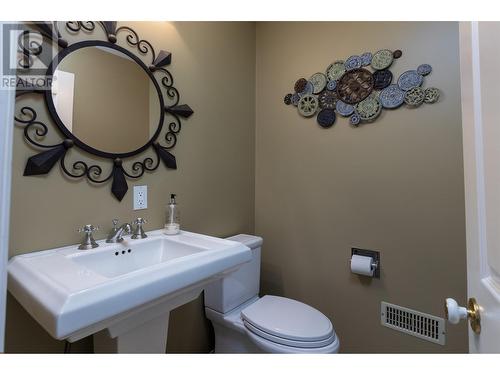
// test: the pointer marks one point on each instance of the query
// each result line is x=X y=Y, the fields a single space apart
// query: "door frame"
x=472 y=138
x=7 y=101
x=480 y=282
x=470 y=81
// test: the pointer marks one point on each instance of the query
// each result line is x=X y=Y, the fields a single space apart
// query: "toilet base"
x=230 y=340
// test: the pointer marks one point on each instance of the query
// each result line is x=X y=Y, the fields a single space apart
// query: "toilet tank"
x=239 y=286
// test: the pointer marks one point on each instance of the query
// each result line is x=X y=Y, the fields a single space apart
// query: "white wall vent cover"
x=415 y=323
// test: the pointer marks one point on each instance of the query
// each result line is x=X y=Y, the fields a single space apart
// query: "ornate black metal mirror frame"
x=34 y=129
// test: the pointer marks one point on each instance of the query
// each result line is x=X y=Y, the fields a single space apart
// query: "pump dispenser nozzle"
x=172 y=222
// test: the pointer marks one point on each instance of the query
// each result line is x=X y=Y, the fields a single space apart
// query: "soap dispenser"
x=172 y=222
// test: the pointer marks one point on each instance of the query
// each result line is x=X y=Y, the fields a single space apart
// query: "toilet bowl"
x=245 y=323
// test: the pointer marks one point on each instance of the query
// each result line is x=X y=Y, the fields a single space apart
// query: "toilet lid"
x=288 y=319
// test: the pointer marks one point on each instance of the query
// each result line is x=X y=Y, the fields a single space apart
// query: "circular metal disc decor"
x=366 y=58
x=318 y=80
x=415 y=96
x=300 y=85
x=424 y=69
x=353 y=62
x=327 y=99
x=331 y=85
x=392 y=97
x=355 y=85
x=382 y=59
x=359 y=88
x=369 y=109
x=308 y=90
x=382 y=79
x=344 y=109
x=409 y=79
x=326 y=118
x=335 y=70
x=431 y=95
x=308 y=105
x=354 y=119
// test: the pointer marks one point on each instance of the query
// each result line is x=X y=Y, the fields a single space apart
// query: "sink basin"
x=150 y=253
x=122 y=293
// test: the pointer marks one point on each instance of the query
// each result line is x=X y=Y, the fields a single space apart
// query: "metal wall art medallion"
x=318 y=81
x=369 y=108
x=327 y=99
x=414 y=96
x=431 y=95
x=366 y=58
x=335 y=70
x=360 y=88
x=353 y=62
x=392 y=97
x=355 y=85
x=382 y=79
x=344 y=109
x=326 y=117
x=410 y=79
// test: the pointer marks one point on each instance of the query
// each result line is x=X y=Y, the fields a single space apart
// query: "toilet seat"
x=268 y=346
x=289 y=324
x=287 y=342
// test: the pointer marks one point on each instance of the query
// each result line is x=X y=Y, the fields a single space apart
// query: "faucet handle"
x=88 y=241
x=139 y=230
x=88 y=228
x=115 y=222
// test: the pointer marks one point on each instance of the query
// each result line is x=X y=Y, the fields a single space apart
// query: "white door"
x=7 y=98
x=480 y=81
x=63 y=88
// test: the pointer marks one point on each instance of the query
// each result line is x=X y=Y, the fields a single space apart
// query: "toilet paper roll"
x=361 y=265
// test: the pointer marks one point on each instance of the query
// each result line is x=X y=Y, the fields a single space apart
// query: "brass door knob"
x=455 y=313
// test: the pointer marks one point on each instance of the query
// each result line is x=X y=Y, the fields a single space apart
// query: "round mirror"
x=106 y=99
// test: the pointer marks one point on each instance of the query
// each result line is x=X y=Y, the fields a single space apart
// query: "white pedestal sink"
x=120 y=293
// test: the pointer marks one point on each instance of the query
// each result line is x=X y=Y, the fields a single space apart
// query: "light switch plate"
x=140 y=197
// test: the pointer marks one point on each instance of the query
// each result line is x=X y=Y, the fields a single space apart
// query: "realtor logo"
x=26 y=69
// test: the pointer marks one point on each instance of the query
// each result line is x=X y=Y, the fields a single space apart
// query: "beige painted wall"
x=395 y=185
x=214 y=182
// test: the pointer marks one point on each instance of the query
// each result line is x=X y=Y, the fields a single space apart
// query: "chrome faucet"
x=139 y=230
x=117 y=232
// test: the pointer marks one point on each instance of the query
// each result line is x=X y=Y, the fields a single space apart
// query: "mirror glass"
x=106 y=99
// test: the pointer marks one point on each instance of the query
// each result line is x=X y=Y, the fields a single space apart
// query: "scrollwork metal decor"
x=35 y=130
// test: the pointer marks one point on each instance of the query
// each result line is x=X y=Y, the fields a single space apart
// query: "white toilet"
x=245 y=323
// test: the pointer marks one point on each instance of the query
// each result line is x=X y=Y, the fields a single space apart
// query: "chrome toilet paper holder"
x=375 y=255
